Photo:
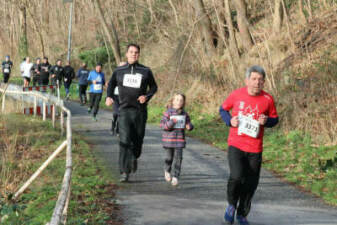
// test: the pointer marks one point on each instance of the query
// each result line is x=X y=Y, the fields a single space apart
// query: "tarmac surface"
x=201 y=195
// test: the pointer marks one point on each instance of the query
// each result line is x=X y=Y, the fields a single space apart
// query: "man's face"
x=59 y=63
x=254 y=83
x=38 y=61
x=98 y=68
x=45 y=60
x=132 y=55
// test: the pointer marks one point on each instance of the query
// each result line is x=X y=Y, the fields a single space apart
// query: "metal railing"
x=60 y=210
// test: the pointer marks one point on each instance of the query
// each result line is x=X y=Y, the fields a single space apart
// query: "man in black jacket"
x=36 y=71
x=69 y=75
x=136 y=86
x=7 y=68
x=45 y=70
x=57 y=73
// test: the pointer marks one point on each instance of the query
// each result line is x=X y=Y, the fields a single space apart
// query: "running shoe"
x=175 y=181
x=89 y=110
x=124 y=177
x=168 y=176
x=242 y=220
x=94 y=118
x=229 y=214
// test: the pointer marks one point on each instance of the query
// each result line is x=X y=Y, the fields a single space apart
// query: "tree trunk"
x=206 y=26
x=278 y=16
x=243 y=24
x=112 y=36
x=23 y=43
x=233 y=47
x=300 y=8
x=39 y=32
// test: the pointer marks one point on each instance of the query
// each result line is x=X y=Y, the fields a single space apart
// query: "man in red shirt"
x=252 y=109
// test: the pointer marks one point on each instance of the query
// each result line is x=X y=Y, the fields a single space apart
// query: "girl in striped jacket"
x=174 y=122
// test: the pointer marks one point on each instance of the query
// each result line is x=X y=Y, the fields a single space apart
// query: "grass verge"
x=26 y=142
x=292 y=155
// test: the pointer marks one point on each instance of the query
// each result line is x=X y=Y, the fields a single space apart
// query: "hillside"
x=198 y=47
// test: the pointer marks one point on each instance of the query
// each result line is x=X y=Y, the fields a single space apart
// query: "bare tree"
x=243 y=24
x=206 y=26
x=233 y=47
x=112 y=35
x=278 y=16
x=300 y=8
x=23 y=44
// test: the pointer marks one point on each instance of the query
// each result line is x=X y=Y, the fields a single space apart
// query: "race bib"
x=132 y=80
x=181 y=121
x=248 y=126
x=6 y=70
x=65 y=79
x=116 y=92
x=97 y=87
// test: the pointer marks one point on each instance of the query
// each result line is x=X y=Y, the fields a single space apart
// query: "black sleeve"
x=153 y=86
x=271 y=122
x=72 y=73
x=111 y=86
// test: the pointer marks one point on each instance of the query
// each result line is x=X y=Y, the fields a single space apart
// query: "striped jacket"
x=174 y=133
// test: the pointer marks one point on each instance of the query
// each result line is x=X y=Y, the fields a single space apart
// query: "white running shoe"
x=168 y=176
x=174 y=181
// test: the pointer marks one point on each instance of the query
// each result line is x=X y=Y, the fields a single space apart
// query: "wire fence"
x=36 y=98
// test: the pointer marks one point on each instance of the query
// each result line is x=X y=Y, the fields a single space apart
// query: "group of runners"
x=41 y=72
x=247 y=111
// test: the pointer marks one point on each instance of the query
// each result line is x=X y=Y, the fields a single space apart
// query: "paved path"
x=200 y=197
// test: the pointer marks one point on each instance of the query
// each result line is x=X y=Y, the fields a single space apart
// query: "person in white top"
x=26 y=68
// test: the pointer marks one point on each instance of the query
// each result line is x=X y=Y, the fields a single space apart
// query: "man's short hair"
x=133 y=45
x=46 y=58
x=256 y=69
x=99 y=64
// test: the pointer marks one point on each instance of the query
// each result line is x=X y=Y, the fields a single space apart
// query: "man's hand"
x=142 y=99
x=109 y=101
x=235 y=121
x=94 y=81
x=262 y=119
x=188 y=127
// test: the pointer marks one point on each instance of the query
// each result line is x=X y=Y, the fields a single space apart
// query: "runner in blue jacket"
x=96 y=81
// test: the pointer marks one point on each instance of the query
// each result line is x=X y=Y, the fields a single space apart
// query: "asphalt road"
x=200 y=197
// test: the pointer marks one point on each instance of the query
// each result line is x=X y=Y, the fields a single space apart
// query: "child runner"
x=174 y=122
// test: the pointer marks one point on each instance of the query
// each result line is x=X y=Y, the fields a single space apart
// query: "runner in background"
x=7 y=68
x=82 y=76
x=57 y=73
x=96 y=81
x=252 y=109
x=26 y=71
x=36 y=71
x=69 y=75
x=115 y=109
x=45 y=72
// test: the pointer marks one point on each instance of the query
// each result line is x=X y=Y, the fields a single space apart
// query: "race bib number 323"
x=132 y=80
x=248 y=126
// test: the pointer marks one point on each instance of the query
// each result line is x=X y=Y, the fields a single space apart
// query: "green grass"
x=92 y=191
x=291 y=155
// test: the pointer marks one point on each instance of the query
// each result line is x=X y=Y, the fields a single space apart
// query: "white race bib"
x=6 y=70
x=116 y=92
x=97 y=87
x=132 y=80
x=248 y=126
x=181 y=121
